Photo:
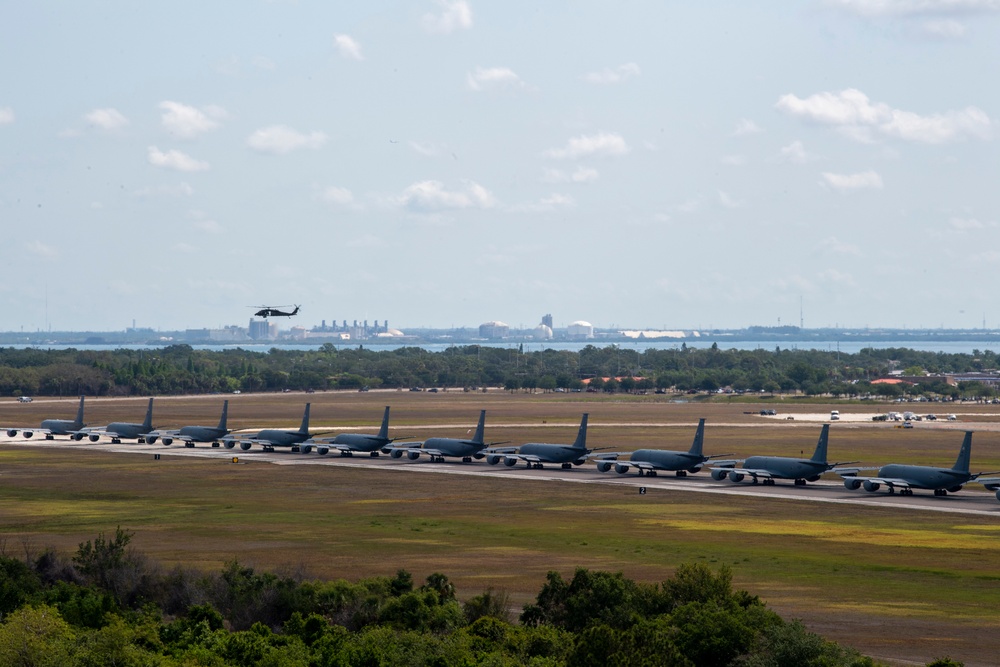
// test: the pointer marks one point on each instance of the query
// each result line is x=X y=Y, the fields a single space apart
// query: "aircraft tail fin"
x=383 y=432
x=480 y=428
x=964 y=454
x=225 y=416
x=819 y=456
x=581 y=436
x=148 y=422
x=79 y=415
x=699 y=439
x=305 y=420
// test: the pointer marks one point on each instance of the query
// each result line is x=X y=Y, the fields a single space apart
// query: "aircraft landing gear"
x=681 y=473
x=466 y=459
x=800 y=482
x=373 y=455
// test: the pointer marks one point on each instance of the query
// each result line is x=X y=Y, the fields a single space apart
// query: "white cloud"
x=902 y=8
x=943 y=29
x=608 y=75
x=454 y=15
x=174 y=159
x=550 y=203
x=851 y=111
x=485 y=78
x=281 y=139
x=426 y=148
x=729 y=201
x=179 y=190
x=835 y=245
x=430 y=196
x=734 y=160
x=745 y=127
x=186 y=122
x=866 y=180
x=201 y=221
x=337 y=195
x=967 y=224
x=348 y=47
x=580 y=175
x=6 y=115
x=602 y=144
x=796 y=153
x=106 y=119
x=42 y=250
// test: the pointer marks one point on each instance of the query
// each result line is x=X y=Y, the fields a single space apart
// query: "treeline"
x=109 y=605
x=179 y=369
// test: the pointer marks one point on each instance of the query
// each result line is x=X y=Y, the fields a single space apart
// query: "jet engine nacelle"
x=27 y=434
x=245 y=446
x=870 y=486
x=814 y=478
x=167 y=441
x=955 y=489
x=998 y=495
x=229 y=444
x=11 y=433
x=413 y=455
x=396 y=453
x=151 y=439
x=604 y=466
x=305 y=449
x=322 y=451
x=735 y=476
x=719 y=475
x=510 y=461
x=493 y=459
x=95 y=438
x=852 y=484
x=621 y=468
x=78 y=436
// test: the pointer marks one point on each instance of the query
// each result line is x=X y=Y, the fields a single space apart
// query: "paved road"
x=974 y=500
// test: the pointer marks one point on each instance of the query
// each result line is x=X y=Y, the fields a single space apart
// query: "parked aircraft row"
x=759 y=469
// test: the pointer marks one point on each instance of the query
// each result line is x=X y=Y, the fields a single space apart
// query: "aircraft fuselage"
x=925 y=477
x=667 y=460
x=60 y=426
x=127 y=430
x=550 y=453
x=454 y=447
x=782 y=467
x=282 y=438
x=360 y=443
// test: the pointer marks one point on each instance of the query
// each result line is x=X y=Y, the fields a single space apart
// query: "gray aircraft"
x=766 y=469
x=649 y=461
x=192 y=434
x=52 y=427
x=348 y=443
x=270 y=438
x=438 y=448
x=119 y=430
x=537 y=454
x=908 y=477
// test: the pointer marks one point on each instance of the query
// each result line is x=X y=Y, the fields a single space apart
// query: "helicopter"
x=269 y=311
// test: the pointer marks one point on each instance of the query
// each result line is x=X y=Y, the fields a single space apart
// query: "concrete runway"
x=973 y=500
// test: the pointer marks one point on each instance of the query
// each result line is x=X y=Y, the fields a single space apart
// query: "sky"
x=438 y=163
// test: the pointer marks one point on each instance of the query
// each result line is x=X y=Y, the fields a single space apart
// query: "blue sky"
x=448 y=162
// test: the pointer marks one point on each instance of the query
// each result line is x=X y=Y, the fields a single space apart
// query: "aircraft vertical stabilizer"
x=819 y=456
x=225 y=416
x=79 y=415
x=305 y=420
x=480 y=428
x=964 y=454
x=699 y=439
x=383 y=432
x=147 y=424
x=581 y=436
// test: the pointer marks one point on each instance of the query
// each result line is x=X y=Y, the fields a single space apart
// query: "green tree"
x=36 y=636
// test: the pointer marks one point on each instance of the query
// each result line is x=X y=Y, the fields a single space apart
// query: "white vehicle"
x=952 y=418
x=24 y=399
x=834 y=415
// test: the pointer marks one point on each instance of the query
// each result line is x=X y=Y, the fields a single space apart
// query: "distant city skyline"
x=444 y=162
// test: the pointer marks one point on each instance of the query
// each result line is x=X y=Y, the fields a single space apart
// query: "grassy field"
x=890 y=582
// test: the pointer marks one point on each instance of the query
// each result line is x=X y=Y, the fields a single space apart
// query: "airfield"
x=900 y=578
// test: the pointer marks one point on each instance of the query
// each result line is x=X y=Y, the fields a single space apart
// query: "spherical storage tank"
x=580 y=329
x=541 y=332
x=494 y=329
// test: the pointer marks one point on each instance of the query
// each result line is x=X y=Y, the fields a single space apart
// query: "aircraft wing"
x=892 y=482
x=12 y=431
x=753 y=472
x=991 y=483
x=501 y=450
